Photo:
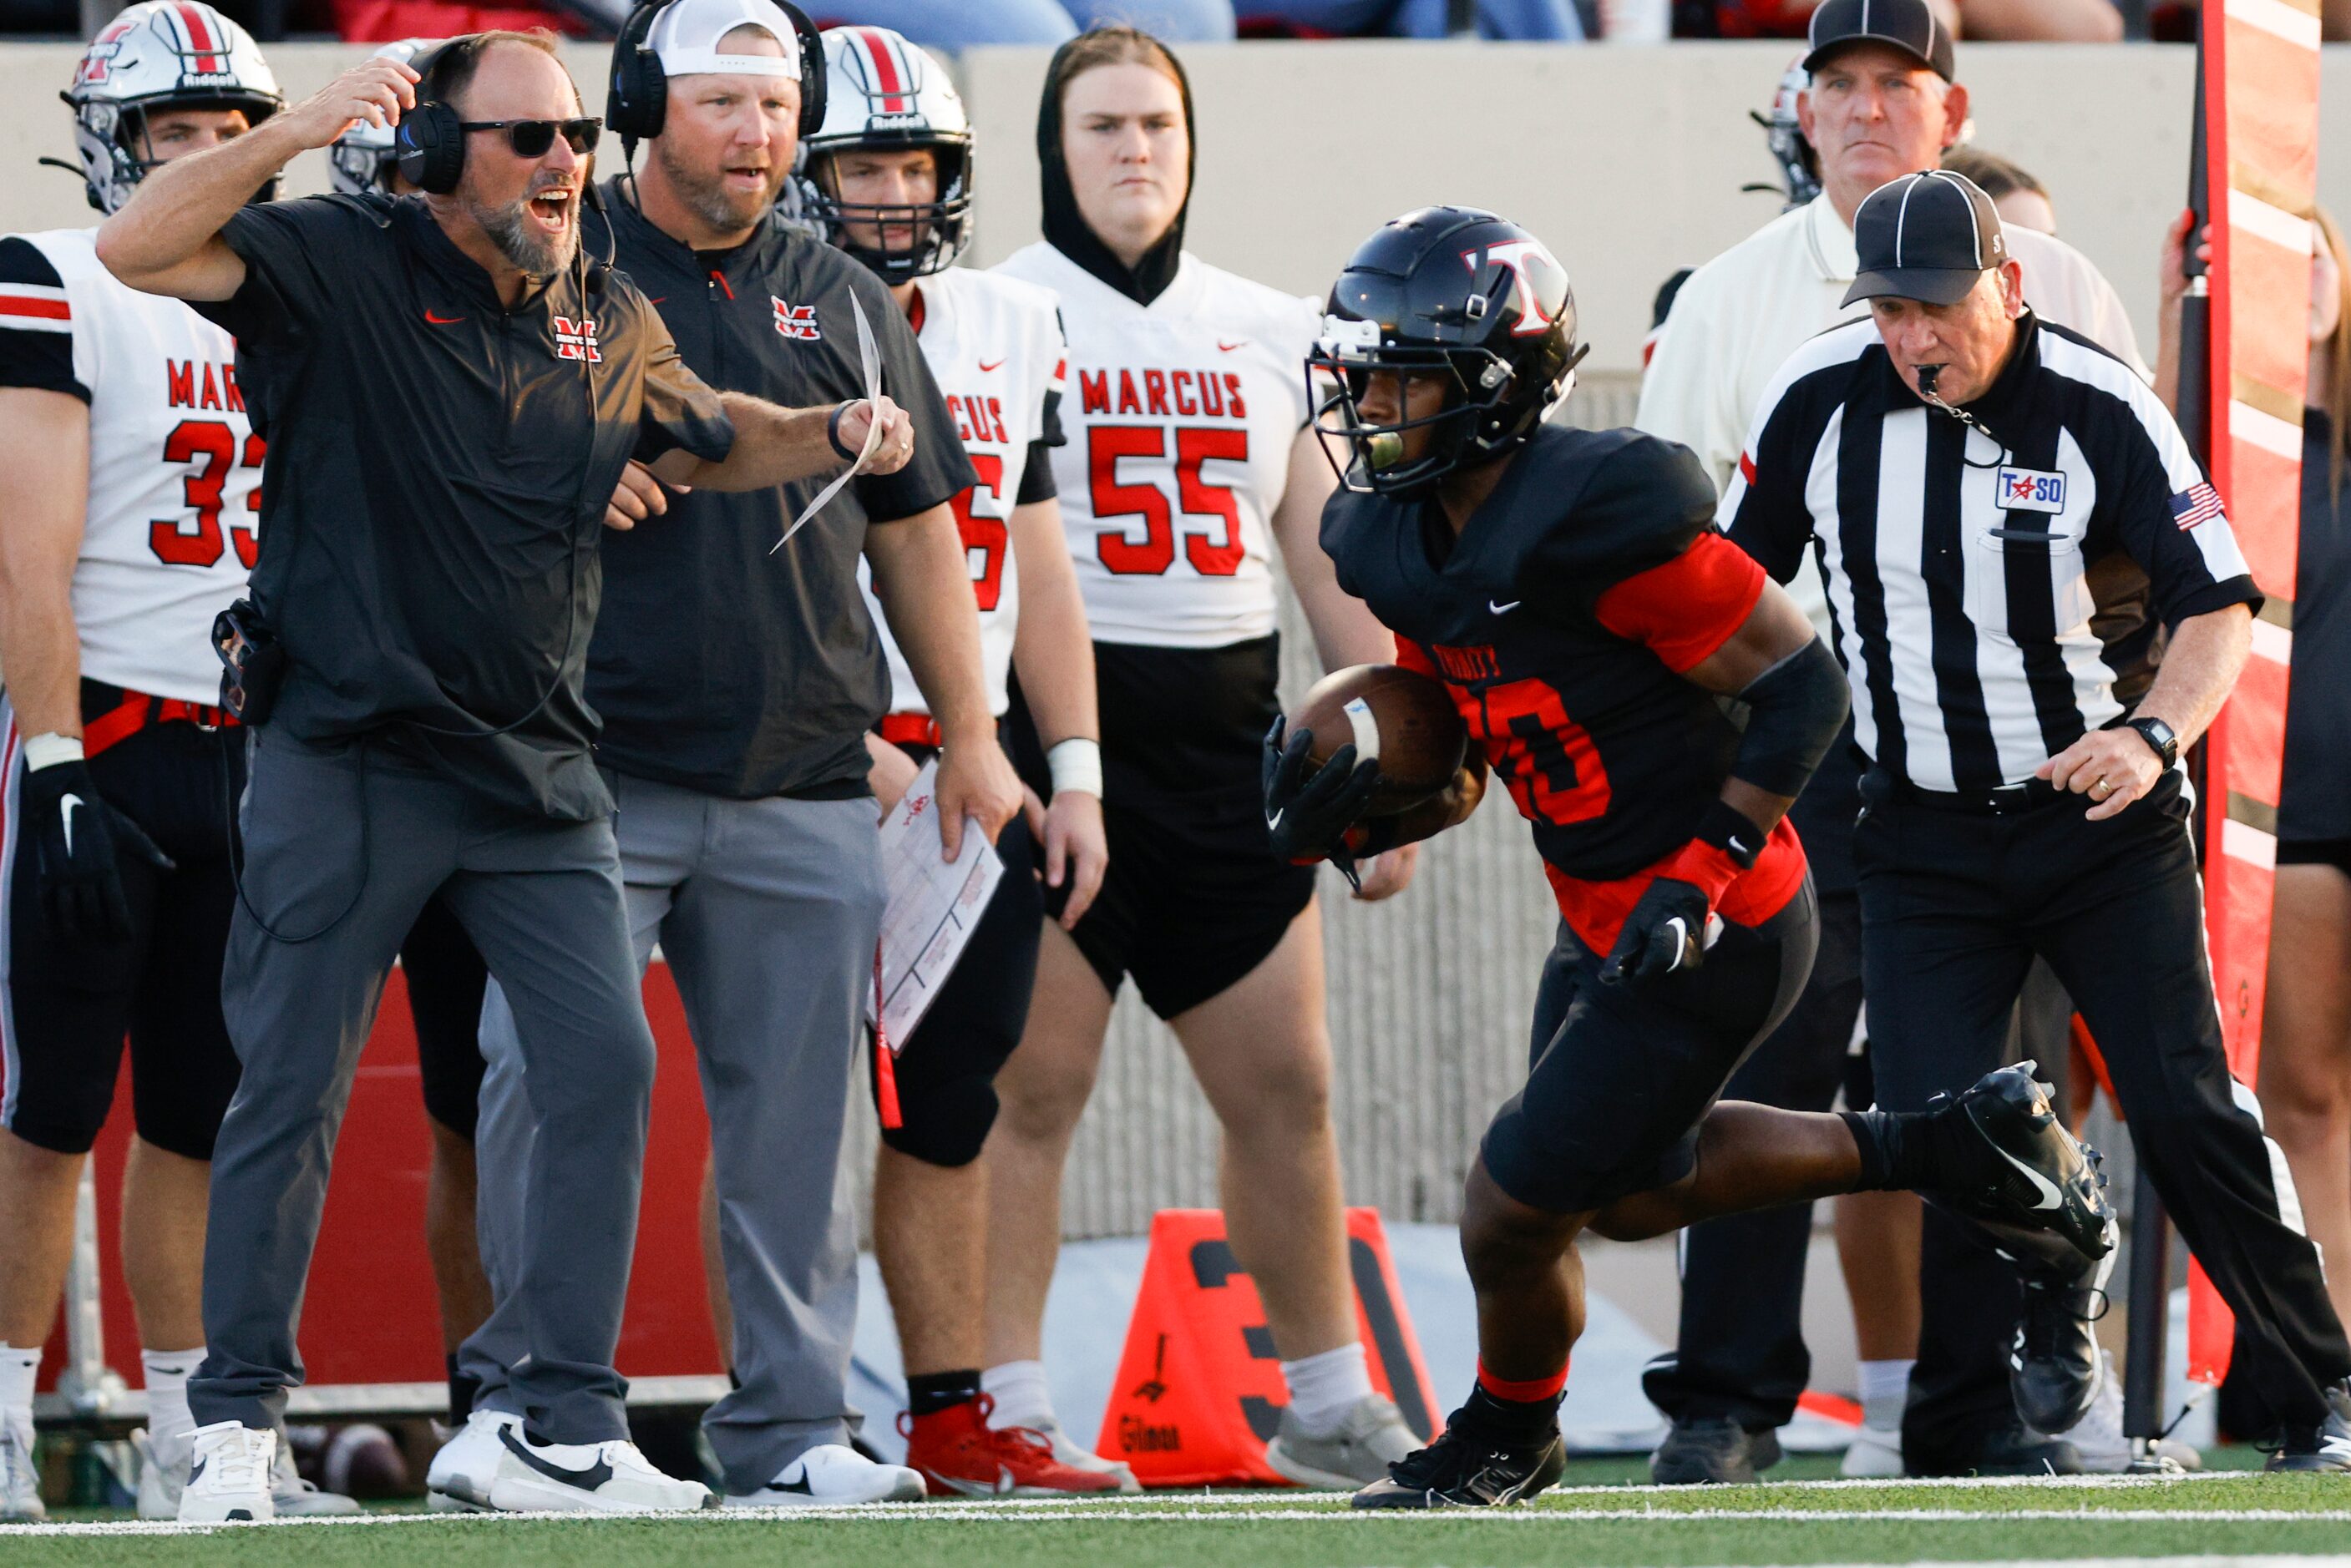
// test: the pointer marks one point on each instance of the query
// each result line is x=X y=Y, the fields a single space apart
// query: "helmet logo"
x=99 y=58
x=1538 y=282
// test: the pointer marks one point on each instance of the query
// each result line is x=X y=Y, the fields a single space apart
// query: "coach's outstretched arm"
x=167 y=237
x=774 y=445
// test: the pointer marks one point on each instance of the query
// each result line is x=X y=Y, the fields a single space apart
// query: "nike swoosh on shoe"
x=2051 y=1197
x=587 y=1479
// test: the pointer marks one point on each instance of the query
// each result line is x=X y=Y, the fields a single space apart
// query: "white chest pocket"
x=2027 y=577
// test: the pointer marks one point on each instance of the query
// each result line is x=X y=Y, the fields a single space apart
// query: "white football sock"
x=1324 y=1388
x=1023 y=1398
x=16 y=1370
x=171 y=1430
x=1885 y=1393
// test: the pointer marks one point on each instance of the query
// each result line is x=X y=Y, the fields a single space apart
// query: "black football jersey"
x=1562 y=619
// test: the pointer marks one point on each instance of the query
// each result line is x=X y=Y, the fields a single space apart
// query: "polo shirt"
x=434 y=489
x=722 y=663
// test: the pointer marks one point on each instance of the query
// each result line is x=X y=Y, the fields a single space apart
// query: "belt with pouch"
x=112 y=714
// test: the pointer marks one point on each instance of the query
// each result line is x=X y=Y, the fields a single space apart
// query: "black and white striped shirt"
x=1985 y=595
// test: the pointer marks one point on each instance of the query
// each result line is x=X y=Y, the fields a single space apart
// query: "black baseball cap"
x=1910 y=26
x=1925 y=236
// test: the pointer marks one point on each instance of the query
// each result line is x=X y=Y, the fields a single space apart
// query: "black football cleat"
x=2053 y=1368
x=2321 y=1448
x=1468 y=1470
x=2014 y=1171
x=1713 y=1450
x=2010 y=1450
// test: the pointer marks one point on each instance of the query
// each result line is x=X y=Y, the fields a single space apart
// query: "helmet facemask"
x=1477 y=422
x=942 y=227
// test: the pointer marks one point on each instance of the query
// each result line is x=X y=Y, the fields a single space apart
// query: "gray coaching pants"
x=342 y=852
x=768 y=911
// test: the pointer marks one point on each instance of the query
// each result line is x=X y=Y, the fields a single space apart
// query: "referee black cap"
x=1925 y=236
x=1910 y=26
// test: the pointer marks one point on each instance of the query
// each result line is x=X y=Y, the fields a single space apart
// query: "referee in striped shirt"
x=2007 y=521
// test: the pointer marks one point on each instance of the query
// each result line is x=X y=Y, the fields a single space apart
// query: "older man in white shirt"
x=1881 y=104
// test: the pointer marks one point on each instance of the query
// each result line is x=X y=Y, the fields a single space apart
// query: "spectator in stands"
x=2049 y=21
x=2022 y=202
x=1552 y=21
x=959 y=23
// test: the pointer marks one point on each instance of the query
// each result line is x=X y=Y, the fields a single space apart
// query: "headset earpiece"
x=812 y=83
x=431 y=148
x=637 y=101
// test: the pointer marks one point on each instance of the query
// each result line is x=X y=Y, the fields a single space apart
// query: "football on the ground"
x=1397 y=717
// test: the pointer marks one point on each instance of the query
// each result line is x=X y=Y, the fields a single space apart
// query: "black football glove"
x=1312 y=820
x=76 y=835
x=1666 y=932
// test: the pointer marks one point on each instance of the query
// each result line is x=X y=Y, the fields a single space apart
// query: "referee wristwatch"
x=2162 y=737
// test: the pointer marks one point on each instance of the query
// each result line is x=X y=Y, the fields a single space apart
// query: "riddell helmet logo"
x=1538 y=283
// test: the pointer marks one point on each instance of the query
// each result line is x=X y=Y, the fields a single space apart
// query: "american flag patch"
x=2200 y=504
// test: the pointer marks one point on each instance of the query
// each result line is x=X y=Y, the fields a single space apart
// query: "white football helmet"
x=362 y=159
x=159 y=54
x=883 y=91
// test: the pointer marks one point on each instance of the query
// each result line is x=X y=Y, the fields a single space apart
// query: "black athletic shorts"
x=67 y=1007
x=1195 y=898
x=445 y=979
x=945 y=1070
x=1622 y=1075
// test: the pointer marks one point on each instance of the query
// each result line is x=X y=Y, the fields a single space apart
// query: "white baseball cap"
x=684 y=38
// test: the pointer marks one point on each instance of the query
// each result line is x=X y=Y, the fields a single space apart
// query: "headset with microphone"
x=637 y=102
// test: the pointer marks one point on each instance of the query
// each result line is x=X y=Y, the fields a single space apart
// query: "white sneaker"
x=1356 y=1452
x=1077 y=1458
x=229 y=1475
x=610 y=1476
x=830 y=1473
x=1876 y=1451
x=20 y=1483
x=458 y=1479
x=295 y=1498
x=2098 y=1436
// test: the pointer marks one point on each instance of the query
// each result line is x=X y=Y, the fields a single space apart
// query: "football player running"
x=1570 y=590
x=133 y=520
x=891 y=179
x=1188 y=455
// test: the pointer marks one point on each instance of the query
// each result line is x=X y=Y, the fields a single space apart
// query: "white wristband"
x=1077 y=765
x=48 y=751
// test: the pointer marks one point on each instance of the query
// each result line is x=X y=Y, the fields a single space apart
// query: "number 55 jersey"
x=175 y=505
x=1564 y=620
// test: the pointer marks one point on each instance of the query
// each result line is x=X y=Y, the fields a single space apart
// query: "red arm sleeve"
x=1687 y=608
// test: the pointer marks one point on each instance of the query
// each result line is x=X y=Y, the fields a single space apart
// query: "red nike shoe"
x=960 y=1455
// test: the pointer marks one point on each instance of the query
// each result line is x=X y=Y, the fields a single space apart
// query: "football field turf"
x=2235 y=1517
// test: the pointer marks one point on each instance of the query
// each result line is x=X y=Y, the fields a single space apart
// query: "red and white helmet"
x=883 y=91
x=362 y=159
x=159 y=53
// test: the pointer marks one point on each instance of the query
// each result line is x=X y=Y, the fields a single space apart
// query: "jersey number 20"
x=1155 y=551
x=211 y=446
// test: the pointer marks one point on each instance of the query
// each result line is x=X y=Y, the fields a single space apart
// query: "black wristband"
x=1726 y=827
x=833 y=430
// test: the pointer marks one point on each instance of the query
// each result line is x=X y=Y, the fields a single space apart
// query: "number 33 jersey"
x=993 y=346
x=174 y=514
x=1180 y=415
x=1563 y=621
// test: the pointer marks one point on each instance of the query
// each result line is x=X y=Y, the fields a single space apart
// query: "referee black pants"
x=1954 y=906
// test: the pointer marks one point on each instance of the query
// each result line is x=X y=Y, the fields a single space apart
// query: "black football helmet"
x=1451 y=292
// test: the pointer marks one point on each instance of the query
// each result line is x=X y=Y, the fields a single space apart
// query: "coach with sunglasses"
x=450 y=391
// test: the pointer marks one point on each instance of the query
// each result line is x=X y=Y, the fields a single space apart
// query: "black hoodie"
x=1066 y=230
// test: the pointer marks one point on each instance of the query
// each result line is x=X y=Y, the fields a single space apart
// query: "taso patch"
x=2030 y=490
x=797 y=321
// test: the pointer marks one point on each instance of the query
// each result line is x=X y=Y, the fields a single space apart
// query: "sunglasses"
x=532 y=138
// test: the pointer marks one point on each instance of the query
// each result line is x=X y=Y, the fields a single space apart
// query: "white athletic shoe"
x=295 y=1498
x=1876 y=1452
x=2098 y=1436
x=162 y=1481
x=1077 y=1458
x=229 y=1475
x=610 y=1476
x=20 y=1483
x=829 y=1474
x=1354 y=1453
x=458 y=1479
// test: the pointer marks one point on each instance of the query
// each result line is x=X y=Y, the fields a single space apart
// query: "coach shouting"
x=1981 y=485
x=450 y=392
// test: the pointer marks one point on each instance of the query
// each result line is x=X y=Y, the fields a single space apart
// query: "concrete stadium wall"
x=1628 y=161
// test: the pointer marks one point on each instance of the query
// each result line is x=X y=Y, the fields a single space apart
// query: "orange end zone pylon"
x=1199 y=1390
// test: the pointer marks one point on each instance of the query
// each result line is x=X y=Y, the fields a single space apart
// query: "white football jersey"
x=993 y=346
x=174 y=511
x=1181 y=420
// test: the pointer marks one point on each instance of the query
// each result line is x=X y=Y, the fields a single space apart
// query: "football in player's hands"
x=1399 y=718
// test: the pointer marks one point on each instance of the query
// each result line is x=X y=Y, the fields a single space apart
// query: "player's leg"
x=2121 y=921
x=1040 y=1094
x=2305 y=1082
